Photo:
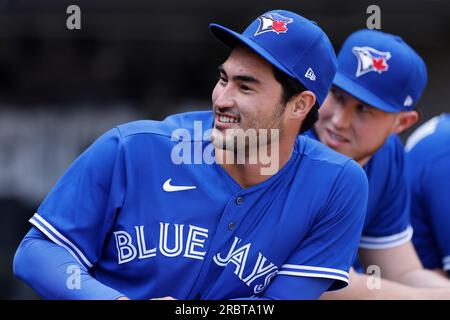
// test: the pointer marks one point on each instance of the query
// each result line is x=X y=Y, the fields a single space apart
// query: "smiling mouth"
x=336 y=138
x=225 y=119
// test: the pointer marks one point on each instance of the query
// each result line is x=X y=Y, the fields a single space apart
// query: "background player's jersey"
x=428 y=168
x=387 y=222
x=148 y=227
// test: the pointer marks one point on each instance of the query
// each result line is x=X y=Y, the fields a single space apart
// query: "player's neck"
x=363 y=161
x=249 y=173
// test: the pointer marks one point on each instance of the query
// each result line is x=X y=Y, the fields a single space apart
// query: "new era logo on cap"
x=370 y=59
x=310 y=74
x=273 y=22
x=408 y=101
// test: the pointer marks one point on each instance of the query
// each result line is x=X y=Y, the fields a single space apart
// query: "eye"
x=337 y=94
x=245 y=88
x=362 y=108
x=222 y=79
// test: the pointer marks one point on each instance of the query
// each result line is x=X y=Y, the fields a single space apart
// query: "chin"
x=221 y=140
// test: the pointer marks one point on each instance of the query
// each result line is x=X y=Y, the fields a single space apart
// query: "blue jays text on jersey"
x=428 y=172
x=387 y=222
x=149 y=228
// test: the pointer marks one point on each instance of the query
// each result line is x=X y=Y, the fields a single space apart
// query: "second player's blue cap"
x=291 y=43
x=381 y=70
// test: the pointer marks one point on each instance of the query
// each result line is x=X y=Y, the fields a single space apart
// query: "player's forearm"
x=359 y=289
x=423 y=278
x=55 y=274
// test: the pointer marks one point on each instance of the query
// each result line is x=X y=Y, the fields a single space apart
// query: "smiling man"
x=376 y=89
x=139 y=226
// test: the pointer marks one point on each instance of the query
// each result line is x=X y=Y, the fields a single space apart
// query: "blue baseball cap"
x=291 y=43
x=381 y=70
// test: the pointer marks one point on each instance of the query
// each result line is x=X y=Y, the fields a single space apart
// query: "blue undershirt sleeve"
x=54 y=273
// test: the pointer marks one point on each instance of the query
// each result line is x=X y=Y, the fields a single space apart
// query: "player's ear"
x=301 y=104
x=405 y=120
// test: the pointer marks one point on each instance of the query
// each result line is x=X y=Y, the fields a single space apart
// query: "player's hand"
x=123 y=298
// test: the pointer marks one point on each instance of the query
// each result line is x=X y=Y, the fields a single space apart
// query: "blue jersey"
x=428 y=168
x=387 y=222
x=149 y=227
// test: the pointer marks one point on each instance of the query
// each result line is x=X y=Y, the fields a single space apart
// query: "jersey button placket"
x=239 y=200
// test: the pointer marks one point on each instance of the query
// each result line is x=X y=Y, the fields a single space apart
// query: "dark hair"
x=292 y=87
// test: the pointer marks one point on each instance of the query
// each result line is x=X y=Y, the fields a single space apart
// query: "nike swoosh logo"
x=171 y=188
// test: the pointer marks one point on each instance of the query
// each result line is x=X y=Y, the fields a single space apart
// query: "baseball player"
x=139 y=225
x=378 y=83
x=428 y=172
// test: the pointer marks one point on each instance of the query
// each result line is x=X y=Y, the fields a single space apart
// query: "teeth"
x=226 y=119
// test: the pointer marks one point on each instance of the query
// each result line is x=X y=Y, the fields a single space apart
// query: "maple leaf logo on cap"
x=370 y=59
x=273 y=22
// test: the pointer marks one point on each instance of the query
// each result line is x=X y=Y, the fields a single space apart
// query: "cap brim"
x=231 y=39
x=361 y=93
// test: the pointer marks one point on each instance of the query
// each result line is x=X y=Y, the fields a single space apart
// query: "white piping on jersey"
x=386 y=242
x=51 y=237
x=422 y=132
x=446 y=263
x=315 y=275
x=64 y=239
x=300 y=267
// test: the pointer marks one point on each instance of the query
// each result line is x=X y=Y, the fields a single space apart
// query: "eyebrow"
x=242 y=77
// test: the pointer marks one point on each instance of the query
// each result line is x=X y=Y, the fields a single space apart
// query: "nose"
x=342 y=117
x=223 y=98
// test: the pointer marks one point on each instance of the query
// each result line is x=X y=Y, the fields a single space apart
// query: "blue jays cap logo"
x=273 y=22
x=370 y=59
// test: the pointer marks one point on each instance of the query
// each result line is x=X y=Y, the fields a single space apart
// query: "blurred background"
x=60 y=88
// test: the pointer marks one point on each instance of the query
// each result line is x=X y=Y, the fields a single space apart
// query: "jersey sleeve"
x=303 y=288
x=388 y=214
x=80 y=210
x=436 y=185
x=330 y=247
